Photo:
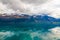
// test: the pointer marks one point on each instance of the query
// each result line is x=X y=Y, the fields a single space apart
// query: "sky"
x=49 y=7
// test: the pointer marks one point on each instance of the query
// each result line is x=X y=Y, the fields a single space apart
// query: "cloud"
x=24 y=7
x=36 y=2
x=5 y=9
x=50 y=7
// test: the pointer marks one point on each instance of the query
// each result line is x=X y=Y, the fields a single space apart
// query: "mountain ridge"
x=26 y=17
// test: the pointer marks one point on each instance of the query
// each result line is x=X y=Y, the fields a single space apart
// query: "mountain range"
x=27 y=18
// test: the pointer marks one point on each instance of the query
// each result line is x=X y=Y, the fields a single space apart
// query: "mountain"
x=29 y=21
x=45 y=18
x=27 y=18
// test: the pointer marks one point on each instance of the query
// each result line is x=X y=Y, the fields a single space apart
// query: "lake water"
x=29 y=31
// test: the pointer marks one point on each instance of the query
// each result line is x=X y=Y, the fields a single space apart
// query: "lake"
x=29 y=31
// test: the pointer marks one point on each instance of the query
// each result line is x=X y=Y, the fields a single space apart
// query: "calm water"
x=27 y=31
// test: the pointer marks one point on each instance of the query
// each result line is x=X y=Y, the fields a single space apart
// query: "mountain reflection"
x=28 y=31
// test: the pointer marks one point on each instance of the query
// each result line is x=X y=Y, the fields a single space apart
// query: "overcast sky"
x=50 y=7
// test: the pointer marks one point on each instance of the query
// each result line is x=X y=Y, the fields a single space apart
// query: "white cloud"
x=5 y=9
x=51 y=7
